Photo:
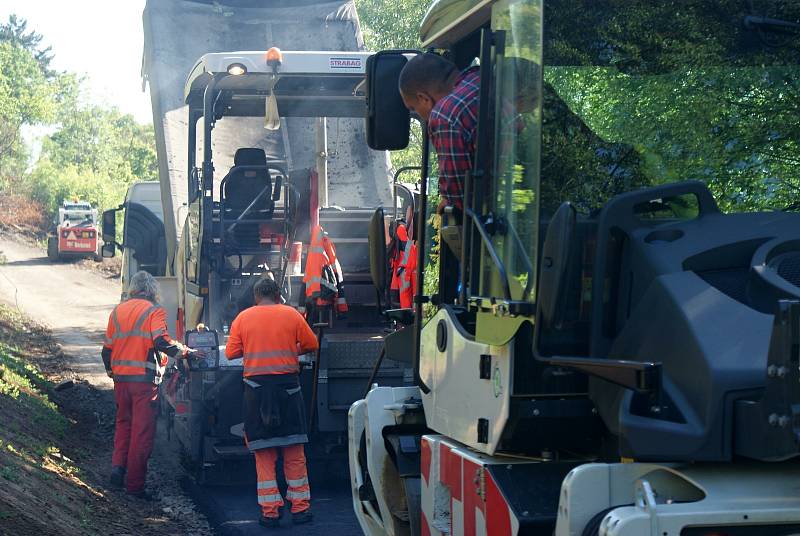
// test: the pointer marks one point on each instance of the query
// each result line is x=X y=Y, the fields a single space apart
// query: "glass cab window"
x=514 y=199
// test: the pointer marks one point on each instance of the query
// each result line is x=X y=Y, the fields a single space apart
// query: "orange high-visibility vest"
x=409 y=276
x=323 y=275
x=333 y=262
x=132 y=329
x=269 y=338
x=401 y=236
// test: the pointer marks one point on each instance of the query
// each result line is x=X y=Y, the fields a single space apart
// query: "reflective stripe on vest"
x=315 y=263
x=324 y=282
x=405 y=278
x=270 y=362
x=408 y=277
x=144 y=370
x=127 y=363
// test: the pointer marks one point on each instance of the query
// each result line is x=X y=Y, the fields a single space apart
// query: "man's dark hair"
x=267 y=288
x=425 y=73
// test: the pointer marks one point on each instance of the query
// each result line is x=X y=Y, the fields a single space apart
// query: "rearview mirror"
x=108 y=250
x=110 y=226
x=388 y=119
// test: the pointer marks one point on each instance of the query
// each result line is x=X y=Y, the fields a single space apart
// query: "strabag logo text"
x=346 y=64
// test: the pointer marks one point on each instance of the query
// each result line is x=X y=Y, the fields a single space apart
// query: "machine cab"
x=568 y=284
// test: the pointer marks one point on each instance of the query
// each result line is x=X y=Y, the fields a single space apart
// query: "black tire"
x=592 y=528
x=52 y=248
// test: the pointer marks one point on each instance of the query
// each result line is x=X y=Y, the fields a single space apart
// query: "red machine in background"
x=75 y=232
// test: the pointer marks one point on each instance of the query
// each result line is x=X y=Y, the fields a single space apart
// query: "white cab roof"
x=330 y=83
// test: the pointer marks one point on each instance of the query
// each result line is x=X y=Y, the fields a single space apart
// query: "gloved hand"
x=109 y=373
x=197 y=354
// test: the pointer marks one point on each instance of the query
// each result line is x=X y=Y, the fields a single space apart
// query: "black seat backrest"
x=610 y=282
x=244 y=182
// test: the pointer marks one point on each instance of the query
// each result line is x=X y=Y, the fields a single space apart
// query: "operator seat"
x=248 y=177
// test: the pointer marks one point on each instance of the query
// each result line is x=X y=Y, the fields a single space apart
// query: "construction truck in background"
x=75 y=232
x=600 y=345
x=256 y=150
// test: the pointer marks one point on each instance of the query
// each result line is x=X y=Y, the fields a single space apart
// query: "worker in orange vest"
x=408 y=285
x=323 y=277
x=269 y=336
x=407 y=266
x=397 y=245
x=133 y=354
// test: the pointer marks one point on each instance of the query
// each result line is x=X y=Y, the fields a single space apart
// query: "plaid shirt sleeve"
x=454 y=159
x=451 y=128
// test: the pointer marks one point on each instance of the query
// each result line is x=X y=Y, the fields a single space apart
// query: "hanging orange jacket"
x=323 y=275
x=333 y=263
x=133 y=329
x=409 y=276
x=269 y=339
x=396 y=256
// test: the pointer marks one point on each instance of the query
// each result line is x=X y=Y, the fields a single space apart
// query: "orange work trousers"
x=294 y=468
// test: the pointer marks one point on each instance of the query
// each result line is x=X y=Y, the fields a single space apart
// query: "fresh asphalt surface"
x=75 y=304
x=234 y=512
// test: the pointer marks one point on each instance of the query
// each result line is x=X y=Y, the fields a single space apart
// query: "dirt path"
x=74 y=303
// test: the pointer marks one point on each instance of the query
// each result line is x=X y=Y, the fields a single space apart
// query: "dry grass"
x=20 y=211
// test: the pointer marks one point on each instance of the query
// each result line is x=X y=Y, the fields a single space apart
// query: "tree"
x=95 y=154
x=27 y=97
x=671 y=94
x=30 y=93
x=15 y=31
x=391 y=24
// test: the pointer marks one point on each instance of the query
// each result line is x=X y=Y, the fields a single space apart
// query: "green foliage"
x=27 y=97
x=30 y=93
x=15 y=32
x=390 y=24
x=94 y=152
x=22 y=382
x=746 y=150
x=643 y=94
x=94 y=155
x=103 y=140
x=50 y=184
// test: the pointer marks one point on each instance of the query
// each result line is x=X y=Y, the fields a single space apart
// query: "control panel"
x=206 y=342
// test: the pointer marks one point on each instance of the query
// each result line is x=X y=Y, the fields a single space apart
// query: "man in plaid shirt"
x=447 y=100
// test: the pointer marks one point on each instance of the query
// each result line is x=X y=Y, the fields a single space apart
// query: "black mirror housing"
x=110 y=226
x=108 y=250
x=388 y=120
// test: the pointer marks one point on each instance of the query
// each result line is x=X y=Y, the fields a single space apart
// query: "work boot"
x=117 y=479
x=269 y=522
x=143 y=496
x=299 y=518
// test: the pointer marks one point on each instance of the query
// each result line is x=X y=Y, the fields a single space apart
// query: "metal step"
x=231 y=451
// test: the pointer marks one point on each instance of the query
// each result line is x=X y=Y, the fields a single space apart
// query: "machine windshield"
x=645 y=93
x=639 y=94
